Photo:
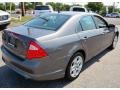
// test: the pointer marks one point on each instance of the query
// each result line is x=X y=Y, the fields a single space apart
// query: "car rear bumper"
x=29 y=71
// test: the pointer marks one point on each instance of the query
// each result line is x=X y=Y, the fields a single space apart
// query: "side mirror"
x=111 y=26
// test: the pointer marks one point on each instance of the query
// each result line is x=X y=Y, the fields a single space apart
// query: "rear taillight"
x=35 y=51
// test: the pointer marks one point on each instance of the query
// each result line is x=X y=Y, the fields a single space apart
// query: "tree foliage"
x=95 y=6
x=30 y=5
x=8 y=6
x=59 y=6
x=2 y=6
x=110 y=8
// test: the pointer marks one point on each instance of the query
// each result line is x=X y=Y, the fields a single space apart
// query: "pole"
x=5 y=6
x=22 y=9
x=107 y=10
x=113 y=6
x=10 y=8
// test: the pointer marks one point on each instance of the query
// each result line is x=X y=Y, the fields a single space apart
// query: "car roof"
x=71 y=13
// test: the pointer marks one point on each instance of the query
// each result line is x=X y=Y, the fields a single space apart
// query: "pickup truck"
x=4 y=19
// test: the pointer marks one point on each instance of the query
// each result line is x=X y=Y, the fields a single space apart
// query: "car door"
x=106 y=33
x=90 y=36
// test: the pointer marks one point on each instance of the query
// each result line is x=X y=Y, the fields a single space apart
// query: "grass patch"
x=15 y=22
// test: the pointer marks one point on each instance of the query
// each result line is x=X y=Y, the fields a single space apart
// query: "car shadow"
x=11 y=79
x=95 y=59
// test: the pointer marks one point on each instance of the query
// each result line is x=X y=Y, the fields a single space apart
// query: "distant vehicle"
x=78 y=9
x=42 y=9
x=56 y=45
x=4 y=19
x=113 y=15
x=18 y=11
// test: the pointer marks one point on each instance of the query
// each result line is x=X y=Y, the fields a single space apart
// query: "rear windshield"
x=79 y=9
x=41 y=8
x=48 y=21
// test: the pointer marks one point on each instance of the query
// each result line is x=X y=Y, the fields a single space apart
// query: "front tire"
x=74 y=67
x=114 y=43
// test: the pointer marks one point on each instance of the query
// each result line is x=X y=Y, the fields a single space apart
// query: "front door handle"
x=106 y=30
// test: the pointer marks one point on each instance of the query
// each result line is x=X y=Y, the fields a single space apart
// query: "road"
x=101 y=71
x=115 y=21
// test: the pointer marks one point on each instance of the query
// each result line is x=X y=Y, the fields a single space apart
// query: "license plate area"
x=11 y=41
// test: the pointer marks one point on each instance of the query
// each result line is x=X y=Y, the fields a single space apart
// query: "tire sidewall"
x=113 y=42
x=67 y=74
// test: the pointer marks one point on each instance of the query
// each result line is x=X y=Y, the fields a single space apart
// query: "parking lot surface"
x=101 y=71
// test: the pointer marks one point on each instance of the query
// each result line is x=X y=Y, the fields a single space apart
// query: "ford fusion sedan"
x=56 y=45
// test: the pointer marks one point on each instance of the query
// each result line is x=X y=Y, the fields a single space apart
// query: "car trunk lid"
x=30 y=31
x=17 y=40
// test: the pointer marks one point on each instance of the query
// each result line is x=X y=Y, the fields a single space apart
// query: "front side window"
x=79 y=9
x=100 y=22
x=42 y=8
x=48 y=21
x=87 y=23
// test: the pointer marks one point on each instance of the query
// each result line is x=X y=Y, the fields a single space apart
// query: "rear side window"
x=87 y=23
x=42 y=8
x=79 y=9
x=100 y=22
x=48 y=21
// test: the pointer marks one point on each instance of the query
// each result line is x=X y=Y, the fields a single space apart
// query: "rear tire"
x=114 y=43
x=74 y=67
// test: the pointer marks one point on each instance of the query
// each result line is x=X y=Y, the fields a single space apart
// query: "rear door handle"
x=103 y=33
x=85 y=37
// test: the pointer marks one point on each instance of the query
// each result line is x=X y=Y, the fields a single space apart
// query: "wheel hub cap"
x=76 y=66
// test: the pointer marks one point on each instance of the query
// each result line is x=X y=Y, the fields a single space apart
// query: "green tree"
x=66 y=7
x=52 y=4
x=59 y=6
x=110 y=9
x=95 y=6
x=8 y=6
x=29 y=5
x=38 y=3
x=103 y=11
x=2 y=6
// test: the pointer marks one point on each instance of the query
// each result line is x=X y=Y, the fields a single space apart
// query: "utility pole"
x=10 y=7
x=22 y=9
x=34 y=4
x=107 y=10
x=113 y=6
x=5 y=6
